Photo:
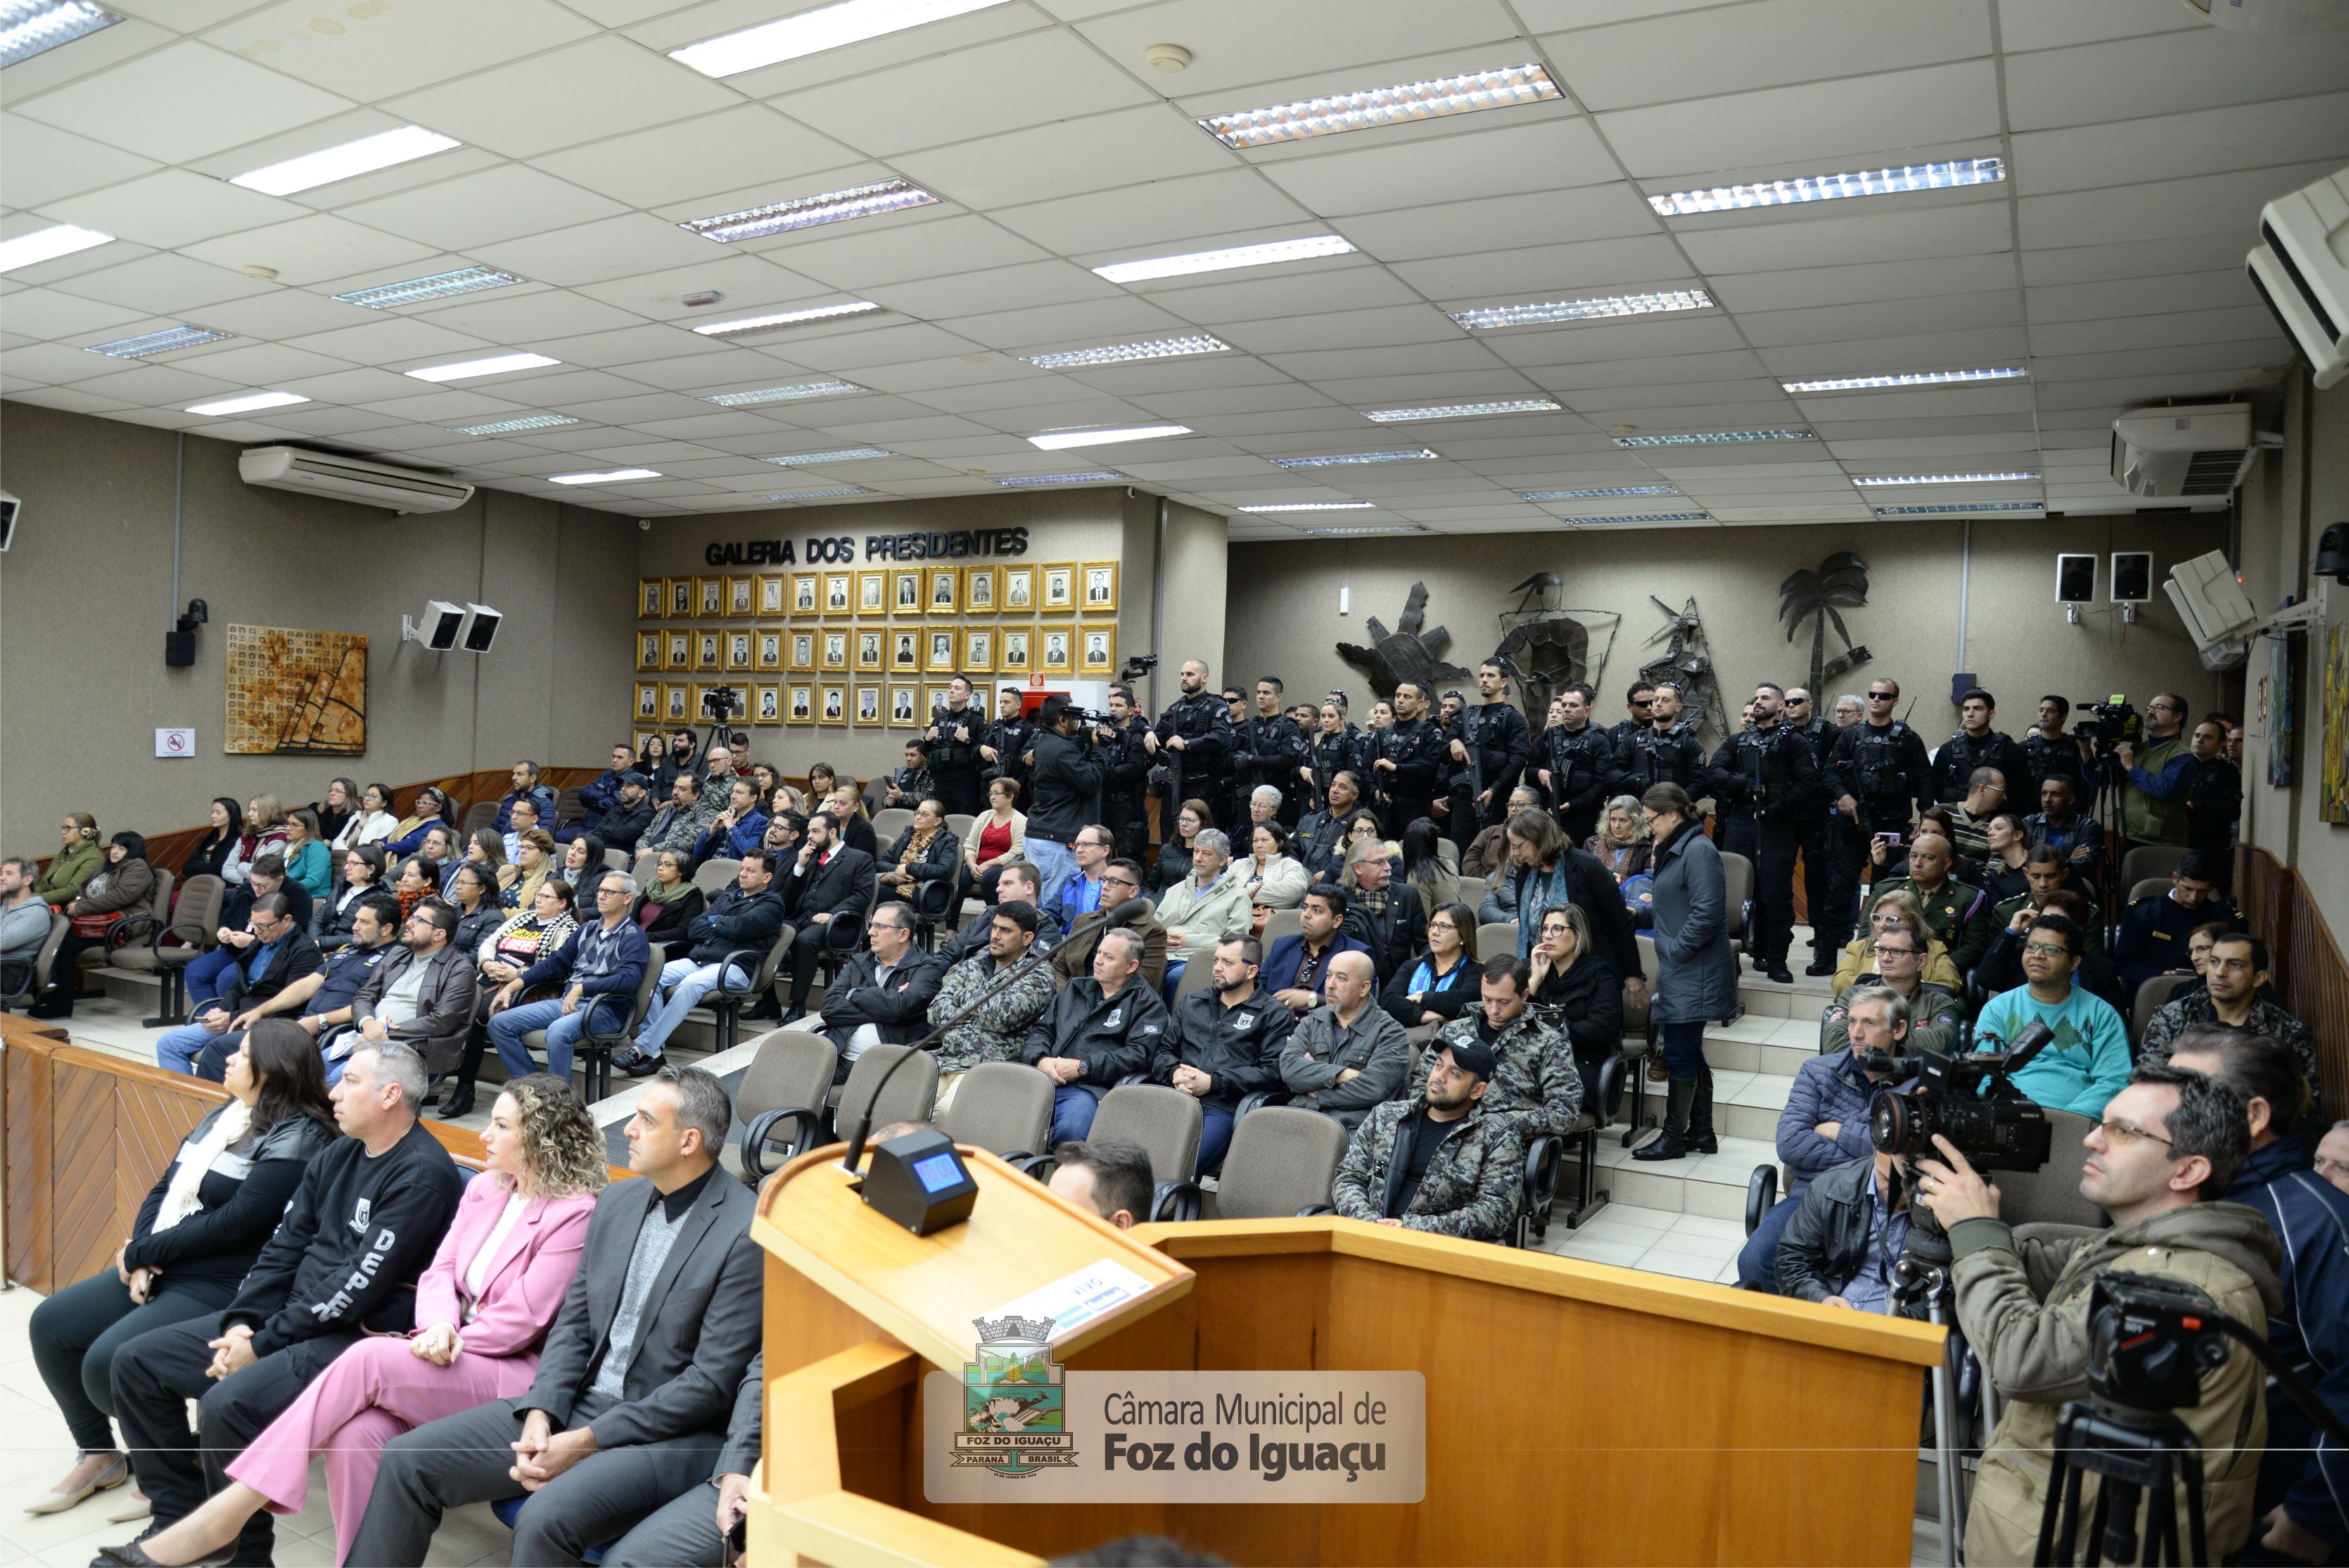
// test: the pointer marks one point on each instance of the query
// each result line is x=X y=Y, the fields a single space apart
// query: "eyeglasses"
x=1119 y=882
x=2120 y=1134
x=1883 y=952
x=2045 y=950
x=1883 y=696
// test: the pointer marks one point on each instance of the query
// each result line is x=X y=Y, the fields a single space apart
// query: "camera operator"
x=1125 y=778
x=1067 y=784
x=2303 y=1482
x=2168 y=1146
x=2158 y=775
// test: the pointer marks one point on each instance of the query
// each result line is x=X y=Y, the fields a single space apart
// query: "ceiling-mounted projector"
x=2300 y=268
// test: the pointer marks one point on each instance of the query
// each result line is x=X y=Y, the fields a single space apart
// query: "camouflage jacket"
x=1472 y=1187
x=679 y=828
x=1536 y=1084
x=992 y=1033
x=2172 y=1019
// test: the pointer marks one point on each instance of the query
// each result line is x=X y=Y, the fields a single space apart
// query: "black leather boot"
x=1669 y=1143
x=460 y=1100
x=1700 y=1138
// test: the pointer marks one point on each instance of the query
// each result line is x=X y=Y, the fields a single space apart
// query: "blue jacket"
x=1696 y=973
x=2153 y=937
x=538 y=792
x=1288 y=956
x=614 y=960
x=1828 y=1087
x=2310 y=1219
x=601 y=796
x=737 y=841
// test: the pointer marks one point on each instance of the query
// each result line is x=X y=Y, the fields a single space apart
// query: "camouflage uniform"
x=1934 y=1012
x=992 y=1033
x=1473 y=1188
x=1535 y=1086
x=2172 y=1019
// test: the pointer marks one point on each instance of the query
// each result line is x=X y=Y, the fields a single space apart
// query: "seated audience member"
x=731 y=940
x=738 y=829
x=429 y=810
x=1432 y=988
x=123 y=884
x=1121 y=889
x=1205 y=907
x=883 y=994
x=1544 y=871
x=1386 y=914
x=1824 y=1125
x=1423 y=867
x=2304 y=1479
x=1970 y=818
x=320 y=999
x=595 y=973
x=682 y=757
x=629 y=1405
x=417 y=879
x=202 y=1227
x=485 y=848
x=910 y=785
x=482 y=1306
x=1933 y=1014
x=334 y=814
x=2045 y=871
x=1346 y=1055
x=2079 y=839
x=1847 y=1232
x=207 y=976
x=1488 y=852
x=1080 y=893
x=584 y=868
x=1112 y=1178
x=600 y=797
x=855 y=829
x=533 y=862
x=2198 y=954
x=697 y=1526
x=529 y=934
x=307 y=861
x=996 y=836
x=1438 y=1161
x=527 y=788
x=2005 y=852
x=1101 y=1027
x=362 y=876
x=422 y=995
x=671 y=900
x=372 y=823
x=825 y=896
x=2332 y=1156
x=1320 y=837
x=1222 y=1044
x=213 y=851
x=1363 y=830
x=785 y=829
x=1955 y=912
x=2088 y=1060
x=2168 y=1146
x=276 y=953
x=2154 y=931
x=1267 y=872
x=923 y=867
x=342 y=1263
x=264 y=834
x=1575 y=992
x=1020 y=883
x=2231 y=998
x=679 y=824
x=991 y=1000
x=1887 y=910
x=1534 y=1081
x=1174 y=854
x=1263 y=805
x=24 y=924
x=2001 y=969
x=1622 y=844
x=630 y=813
x=1296 y=966
x=440 y=850
x=474 y=891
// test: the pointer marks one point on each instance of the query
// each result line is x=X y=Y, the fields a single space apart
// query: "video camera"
x=2115 y=723
x=720 y=703
x=1966 y=1099
x=1136 y=666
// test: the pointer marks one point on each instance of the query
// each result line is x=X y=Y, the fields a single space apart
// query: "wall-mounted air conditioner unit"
x=350 y=479
x=2301 y=267
x=2199 y=450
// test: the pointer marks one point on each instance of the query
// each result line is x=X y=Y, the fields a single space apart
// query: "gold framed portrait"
x=840 y=593
x=709 y=598
x=833 y=705
x=1059 y=587
x=1056 y=650
x=774 y=593
x=680 y=598
x=742 y=596
x=644 y=738
x=1099 y=582
x=869 y=643
x=801 y=660
x=676 y=698
x=978 y=584
x=738 y=649
x=906 y=593
x=766 y=703
x=806 y=587
x=799 y=705
x=1018 y=588
x=869 y=712
x=1096 y=647
x=934 y=698
x=709 y=650
x=905 y=651
x=978 y=649
x=1014 y=650
x=872 y=593
x=834 y=654
x=680 y=651
x=904 y=707
x=938 y=658
x=649 y=650
x=942 y=590
x=770 y=648
x=648 y=709
x=652 y=599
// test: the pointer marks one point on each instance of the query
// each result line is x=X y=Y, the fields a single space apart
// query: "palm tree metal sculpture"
x=1807 y=595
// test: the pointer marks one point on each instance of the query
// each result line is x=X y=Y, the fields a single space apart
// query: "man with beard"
x=1269 y=748
x=1406 y=759
x=1194 y=739
x=1575 y=763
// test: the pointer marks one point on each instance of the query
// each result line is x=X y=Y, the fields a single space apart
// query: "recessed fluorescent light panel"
x=1714 y=438
x=609 y=477
x=2008 y=477
x=1265 y=255
x=1341 y=459
x=1487 y=318
x=1381 y=106
x=363 y=156
x=1120 y=353
x=1463 y=411
x=783 y=393
x=813 y=31
x=780 y=319
x=508 y=427
x=1953 y=511
x=1832 y=187
x=818 y=459
x=440 y=285
x=807 y=211
x=47 y=245
x=496 y=365
x=817 y=494
x=1603 y=493
x=1357 y=531
x=1312 y=506
x=248 y=402
x=29 y=27
x=1091 y=476
x=1907 y=378
x=1642 y=517
x=1062 y=440
x=146 y=345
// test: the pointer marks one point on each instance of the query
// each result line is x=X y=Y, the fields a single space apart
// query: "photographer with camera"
x=1065 y=792
x=2170 y=1143
x=1126 y=778
x=2156 y=777
x=2087 y=1060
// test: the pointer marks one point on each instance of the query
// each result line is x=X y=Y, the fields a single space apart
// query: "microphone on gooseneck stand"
x=865 y=1116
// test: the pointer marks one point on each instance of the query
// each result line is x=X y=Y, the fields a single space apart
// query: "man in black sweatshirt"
x=371 y=1212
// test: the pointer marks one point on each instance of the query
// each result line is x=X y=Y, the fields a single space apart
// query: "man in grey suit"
x=692 y=1529
x=641 y=1368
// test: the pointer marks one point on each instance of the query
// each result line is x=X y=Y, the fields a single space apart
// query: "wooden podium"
x=1575 y=1413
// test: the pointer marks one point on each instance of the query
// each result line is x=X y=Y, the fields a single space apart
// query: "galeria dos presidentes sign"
x=842 y=547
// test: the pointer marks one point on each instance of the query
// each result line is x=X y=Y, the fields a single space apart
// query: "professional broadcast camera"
x=2115 y=723
x=1968 y=1100
x=1136 y=666
x=720 y=703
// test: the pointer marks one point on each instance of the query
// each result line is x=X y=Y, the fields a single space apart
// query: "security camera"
x=198 y=612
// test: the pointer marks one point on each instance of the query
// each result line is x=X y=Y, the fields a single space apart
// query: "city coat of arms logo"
x=1014 y=1420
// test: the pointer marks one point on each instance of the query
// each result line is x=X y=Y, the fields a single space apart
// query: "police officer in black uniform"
x=1975 y=745
x=1269 y=748
x=2049 y=749
x=1771 y=773
x=1666 y=752
x=1575 y=764
x=1125 y=778
x=1638 y=703
x=1194 y=739
x=951 y=743
x=1880 y=771
x=1335 y=748
x=1490 y=751
x=1825 y=849
x=1003 y=745
x=1406 y=762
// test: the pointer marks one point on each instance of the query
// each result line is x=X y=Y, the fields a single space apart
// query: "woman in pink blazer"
x=482 y=1310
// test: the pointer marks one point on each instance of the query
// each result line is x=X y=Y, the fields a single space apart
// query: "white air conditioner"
x=2301 y=267
x=349 y=478
x=2202 y=449
x=2218 y=614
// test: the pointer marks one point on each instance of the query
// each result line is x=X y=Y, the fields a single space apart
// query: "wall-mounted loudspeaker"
x=2076 y=579
x=2132 y=581
x=437 y=630
x=480 y=628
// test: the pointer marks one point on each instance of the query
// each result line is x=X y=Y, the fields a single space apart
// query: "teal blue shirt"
x=312 y=867
x=2082 y=1067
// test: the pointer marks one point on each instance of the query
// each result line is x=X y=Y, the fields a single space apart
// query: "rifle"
x=1470 y=726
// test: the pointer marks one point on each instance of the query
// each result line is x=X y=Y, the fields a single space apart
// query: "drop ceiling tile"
x=2133 y=259
x=723 y=150
x=846 y=352
x=51 y=364
x=1849 y=511
x=72 y=399
x=89 y=55
x=1057 y=327
x=1772 y=43
x=183 y=102
x=954 y=98
x=1795 y=125
x=1147 y=382
x=1832 y=430
x=1045 y=282
x=1462 y=354
x=164 y=285
x=384 y=341
x=1978 y=346
x=2170 y=147
x=877 y=251
x=1771 y=413
x=1539 y=155
x=1342 y=329
x=157 y=385
x=375 y=52
x=2028 y=24
x=2170 y=73
x=1862 y=283
x=170 y=208
x=1700 y=331
x=39 y=163
x=1504 y=223
x=2140 y=296
x=1236 y=42
x=259 y=364
x=1901 y=317
x=285 y=313
x=321 y=420
x=1095 y=153
x=578 y=93
x=1927 y=403
x=1160 y=213
x=2205 y=204
x=1960 y=228
x=609 y=248
x=711 y=367
x=46 y=312
x=502 y=202
x=1758 y=390
x=526 y=320
x=1881 y=454
x=310 y=250
x=1550 y=271
x=1657 y=370
x=2223 y=365
x=1302 y=288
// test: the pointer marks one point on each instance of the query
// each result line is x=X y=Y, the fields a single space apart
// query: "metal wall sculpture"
x=1807 y=595
x=1412 y=652
x=1687 y=663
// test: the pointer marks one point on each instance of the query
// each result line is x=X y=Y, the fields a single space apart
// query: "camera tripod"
x=1921 y=1278
x=2139 y=1454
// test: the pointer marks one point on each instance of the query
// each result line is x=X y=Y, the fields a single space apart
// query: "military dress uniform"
x=1958 y=914
x=1770 y=778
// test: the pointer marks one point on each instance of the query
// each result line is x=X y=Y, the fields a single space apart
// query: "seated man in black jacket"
x=368 y=1215
x=883 y=996
x=744 y=921
x=1100 y=1029
x=599 y=798
x=630 y=813
x=1845 y=1237
x=1017 y=883
x=1223 y=1044
x=1386 y=914
x=826 y=893
x=278 y=954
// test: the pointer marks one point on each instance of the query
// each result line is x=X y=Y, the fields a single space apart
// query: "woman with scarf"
x=122 y=883
x=430 y=810
x=264 y=834
x=672 y=904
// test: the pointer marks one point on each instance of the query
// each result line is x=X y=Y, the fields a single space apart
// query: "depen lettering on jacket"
x=338 y=1303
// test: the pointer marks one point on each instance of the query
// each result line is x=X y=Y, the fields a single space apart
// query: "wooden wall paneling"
x=2304 y=958
x=85 y=1229
x=24 y=1121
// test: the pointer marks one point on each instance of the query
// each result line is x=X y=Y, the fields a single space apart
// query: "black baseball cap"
x=637 y=779
x=1472 y=1055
